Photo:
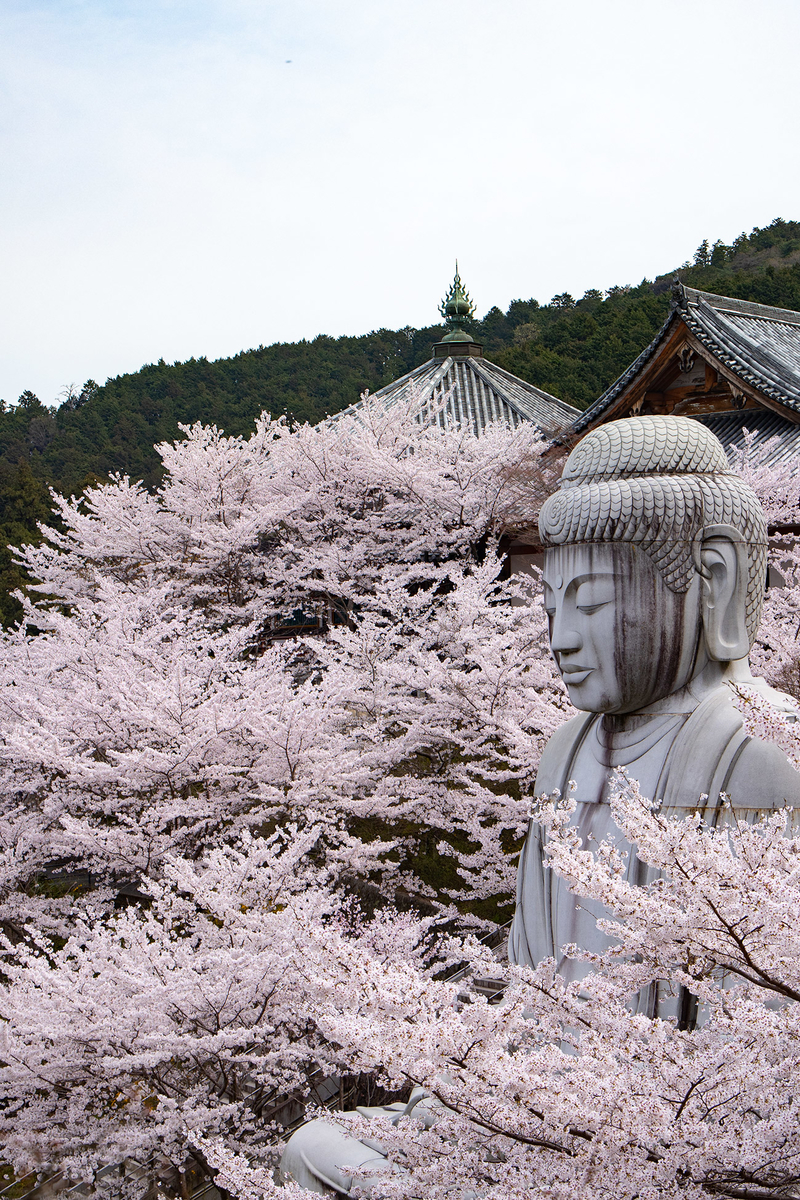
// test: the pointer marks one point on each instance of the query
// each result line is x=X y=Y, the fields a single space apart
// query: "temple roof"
x=766 y=427
x=761 y=344
x=475 y=392
x=459 y=386
x=754 y=348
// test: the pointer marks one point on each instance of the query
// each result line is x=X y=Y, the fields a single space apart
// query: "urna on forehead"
x=657 y=483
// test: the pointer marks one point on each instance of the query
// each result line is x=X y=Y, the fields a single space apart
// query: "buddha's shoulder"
x=559 y=750
x=763 y=778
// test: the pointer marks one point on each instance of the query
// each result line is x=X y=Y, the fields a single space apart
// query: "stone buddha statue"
x=654 y=575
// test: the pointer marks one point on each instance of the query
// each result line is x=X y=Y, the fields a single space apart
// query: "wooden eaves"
x=713 y=355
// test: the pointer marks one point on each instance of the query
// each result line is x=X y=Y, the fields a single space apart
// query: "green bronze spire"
x=457 y=308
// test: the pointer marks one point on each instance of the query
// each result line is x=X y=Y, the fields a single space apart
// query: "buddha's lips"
x=575 y=674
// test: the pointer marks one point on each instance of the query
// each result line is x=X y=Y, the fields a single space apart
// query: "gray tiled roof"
x=475 y=392
x=760 y=344
x=730 y=428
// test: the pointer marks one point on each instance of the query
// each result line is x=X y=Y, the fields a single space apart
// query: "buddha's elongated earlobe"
x=724 y=568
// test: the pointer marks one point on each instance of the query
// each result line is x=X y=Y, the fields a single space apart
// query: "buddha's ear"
x=724 y=571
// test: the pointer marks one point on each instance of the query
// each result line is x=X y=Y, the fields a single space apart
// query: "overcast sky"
x=188 y=177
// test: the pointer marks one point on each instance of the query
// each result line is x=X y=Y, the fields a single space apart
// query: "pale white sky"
x=171 y=185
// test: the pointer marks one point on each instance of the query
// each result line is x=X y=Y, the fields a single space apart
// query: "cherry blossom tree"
x=153 y=706
x=193 y=1014
x=191 y=803
x=168 y=755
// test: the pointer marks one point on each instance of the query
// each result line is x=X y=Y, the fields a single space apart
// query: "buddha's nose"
x=563 y=639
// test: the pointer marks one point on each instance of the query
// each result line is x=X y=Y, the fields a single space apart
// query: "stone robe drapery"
x=709 y=756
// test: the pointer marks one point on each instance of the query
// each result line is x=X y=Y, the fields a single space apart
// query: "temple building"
x=732 y=364
x=458 y=385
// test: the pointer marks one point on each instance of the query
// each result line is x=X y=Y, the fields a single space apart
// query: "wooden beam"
x=656 y=376
x=697 y=405
x=676 y=396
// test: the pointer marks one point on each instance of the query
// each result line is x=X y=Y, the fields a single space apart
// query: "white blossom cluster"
x=162 y=748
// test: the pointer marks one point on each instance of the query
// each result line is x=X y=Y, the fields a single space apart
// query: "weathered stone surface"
x=654 y=576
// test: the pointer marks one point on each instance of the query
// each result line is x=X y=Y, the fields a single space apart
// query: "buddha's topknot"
x=657 y=482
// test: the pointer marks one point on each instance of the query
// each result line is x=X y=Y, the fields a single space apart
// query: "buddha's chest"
x=641 y=749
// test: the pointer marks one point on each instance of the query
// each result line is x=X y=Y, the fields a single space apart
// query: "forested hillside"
x=571 y=347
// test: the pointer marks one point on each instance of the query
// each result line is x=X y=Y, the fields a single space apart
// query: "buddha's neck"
x=710 y=676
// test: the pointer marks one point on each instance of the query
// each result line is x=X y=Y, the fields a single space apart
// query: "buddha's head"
x=655 y=562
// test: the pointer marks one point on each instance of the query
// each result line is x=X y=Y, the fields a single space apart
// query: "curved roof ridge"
x=528 y=401
x=757 y=342
x=752 y=360
x=731 y=304
x=421 y=370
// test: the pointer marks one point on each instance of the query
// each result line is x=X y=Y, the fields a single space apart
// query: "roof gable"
x=750 y=354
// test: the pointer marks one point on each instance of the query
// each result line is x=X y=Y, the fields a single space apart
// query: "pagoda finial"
x=457 y=308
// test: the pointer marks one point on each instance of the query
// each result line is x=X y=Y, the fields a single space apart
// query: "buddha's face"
x=621 y=638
